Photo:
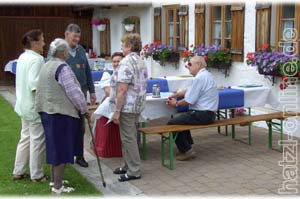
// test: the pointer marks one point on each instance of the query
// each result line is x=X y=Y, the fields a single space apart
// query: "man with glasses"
x=202 y=98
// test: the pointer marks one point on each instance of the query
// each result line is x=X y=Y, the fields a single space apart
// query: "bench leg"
x=278 y=127
x=219 y=115
x=144 y=152
x=249 y=128
x=171 y=140
x=232 y=126
x=269 y=123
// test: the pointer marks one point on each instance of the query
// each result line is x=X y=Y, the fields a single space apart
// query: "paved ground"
x=223 y=167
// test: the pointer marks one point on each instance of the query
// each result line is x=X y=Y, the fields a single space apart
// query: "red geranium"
x=265 y=46
x=206 y=58
x=284 y=78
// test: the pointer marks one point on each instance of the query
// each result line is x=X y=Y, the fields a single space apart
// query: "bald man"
x=202 y=98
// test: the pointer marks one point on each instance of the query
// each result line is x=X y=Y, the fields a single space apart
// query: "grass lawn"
x=10 y=125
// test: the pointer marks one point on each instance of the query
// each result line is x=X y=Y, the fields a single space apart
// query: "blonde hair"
x=132 y=40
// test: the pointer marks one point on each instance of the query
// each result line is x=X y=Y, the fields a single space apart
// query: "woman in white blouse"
x=107 y=136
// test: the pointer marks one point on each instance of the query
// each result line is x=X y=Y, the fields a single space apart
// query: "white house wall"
x=116 y=16
x=240 y=72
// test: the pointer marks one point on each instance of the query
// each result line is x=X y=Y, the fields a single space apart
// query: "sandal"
x=20 y=177
x=42 y=179
x=64 y=182
x=127 y=177
x=120 y=170
x=61 y=190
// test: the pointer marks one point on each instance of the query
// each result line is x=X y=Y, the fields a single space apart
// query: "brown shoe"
x=20 y=177
x=42 y=179
x=186 y=156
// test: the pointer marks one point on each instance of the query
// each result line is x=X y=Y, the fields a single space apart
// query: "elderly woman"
x=60 y=101
x=107 y=137
x=127 y=100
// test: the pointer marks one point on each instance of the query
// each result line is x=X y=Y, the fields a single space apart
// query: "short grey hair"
x=58 y=46
x=72 y=27
x=200 y=59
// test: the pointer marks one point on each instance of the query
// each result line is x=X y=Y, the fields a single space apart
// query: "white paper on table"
x=104 y=110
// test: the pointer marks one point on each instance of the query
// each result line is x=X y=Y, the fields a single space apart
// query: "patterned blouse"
x=132 y=71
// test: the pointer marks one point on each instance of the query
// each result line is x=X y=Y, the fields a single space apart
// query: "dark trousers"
x=184 y=139
x=79 y=137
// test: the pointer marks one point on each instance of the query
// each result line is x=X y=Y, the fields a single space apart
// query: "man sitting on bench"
x=202 y=98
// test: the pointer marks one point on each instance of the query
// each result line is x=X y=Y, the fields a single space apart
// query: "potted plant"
x=160 y=52
x=215 y=56
x=100 y=23
x=128 y=24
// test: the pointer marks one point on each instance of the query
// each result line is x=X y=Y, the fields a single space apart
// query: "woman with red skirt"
x=107 y=136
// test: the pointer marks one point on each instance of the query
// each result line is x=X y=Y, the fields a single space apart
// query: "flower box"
x=161 y=53
x=215 y=56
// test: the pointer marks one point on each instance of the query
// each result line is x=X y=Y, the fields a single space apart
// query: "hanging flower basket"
x=101 y=27
x=129 y=27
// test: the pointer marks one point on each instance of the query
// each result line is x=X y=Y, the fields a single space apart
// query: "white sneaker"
x=62 y=189
x=64 y=182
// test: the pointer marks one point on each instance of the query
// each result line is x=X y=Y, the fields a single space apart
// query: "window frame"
x=279 y=20
x=175 y=8
x=223 y=24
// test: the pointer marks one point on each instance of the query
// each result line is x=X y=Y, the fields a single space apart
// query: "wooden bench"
x=166 y=131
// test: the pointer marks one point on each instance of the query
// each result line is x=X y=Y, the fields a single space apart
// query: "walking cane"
x=98 y=160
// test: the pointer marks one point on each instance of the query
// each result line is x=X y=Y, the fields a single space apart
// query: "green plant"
x=127 y=21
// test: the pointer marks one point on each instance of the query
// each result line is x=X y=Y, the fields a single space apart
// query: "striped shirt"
x=65 y=77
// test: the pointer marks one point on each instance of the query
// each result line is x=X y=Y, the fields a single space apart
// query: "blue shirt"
x=203 y=93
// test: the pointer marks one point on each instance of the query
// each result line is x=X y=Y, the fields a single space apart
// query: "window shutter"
x=263 y=22
x=157 y=24
x=105 y=40
x=237 y=32
x=199 y=24
x=184 y=26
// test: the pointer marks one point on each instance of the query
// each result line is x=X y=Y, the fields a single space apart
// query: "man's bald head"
x=199 y=59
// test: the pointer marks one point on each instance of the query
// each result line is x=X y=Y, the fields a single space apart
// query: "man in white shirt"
x=202 y=98
x=32 y=142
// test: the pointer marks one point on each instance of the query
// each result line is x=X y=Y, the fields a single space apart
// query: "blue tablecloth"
x=14 y=67
x=231 y=98
x=163 y=83
x=97 y=74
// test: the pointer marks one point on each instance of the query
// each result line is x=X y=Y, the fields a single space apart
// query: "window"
x=172 y=26
x=176 y=26
x=227 y=28
x=105 y=40
x=263 y=22
x=288 y=28
x=221 y=25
